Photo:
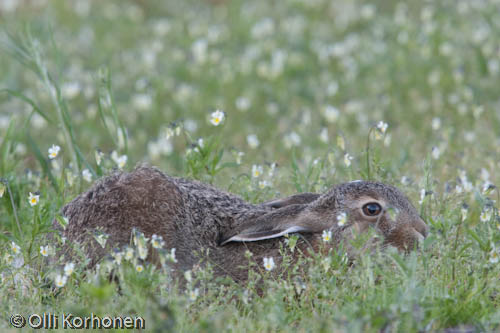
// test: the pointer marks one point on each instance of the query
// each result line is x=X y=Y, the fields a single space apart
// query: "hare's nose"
x=421 y=227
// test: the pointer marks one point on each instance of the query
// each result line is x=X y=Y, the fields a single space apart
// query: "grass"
x=302 y=84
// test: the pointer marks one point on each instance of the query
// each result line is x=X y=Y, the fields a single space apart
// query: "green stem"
x=6 y=182
x=55 y=98
x=368 y=176
x=455 y=250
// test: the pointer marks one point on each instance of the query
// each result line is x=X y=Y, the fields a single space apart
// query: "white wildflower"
x=341 y=142
x=272 y=169
x=201 y=143
x=33 y=199
x=368 y=11
x=331 y=113
x=45 y=250
x=117 y=255
x=382 y=126
x=172 y=255
x=347 y=159
x=323 y=135
x=341 y=219
x=253 y=141
x=263 y=184
x=8 y=258
x=256 y=170
x=239 y=157
x=129 y=253
x=15 y=248
x=463 y=211
x=142 y=102
x=87 y=175
x=54 y=151
x=188 y=276
x=485 y=215
x=494 y=256
x=435 y=153
x=436 y=123
x=422 y=196
x=327 y=235
x=60 y=280
x=101 y=238
x=487 y=186
x=98 y=157
x=326 y=262
x=157 y=241
x=332 y=88
x=193 y=294
x=142 y=251
x=243 y=103
x=69 y=268
x=485 y=175
x=120 y=161
x=269 y=264
x=70 y=89
x=292 y=139
x=217 y=117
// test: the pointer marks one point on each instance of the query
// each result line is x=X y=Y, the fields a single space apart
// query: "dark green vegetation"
x=302 y=84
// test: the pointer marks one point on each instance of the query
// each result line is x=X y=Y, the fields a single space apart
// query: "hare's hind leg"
x=144 y=199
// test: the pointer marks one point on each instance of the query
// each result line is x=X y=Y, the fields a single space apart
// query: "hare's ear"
x=257 y=235
x=286 y=220
x=302 y=198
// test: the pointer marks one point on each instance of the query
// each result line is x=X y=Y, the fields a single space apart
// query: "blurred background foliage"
x=285 y=71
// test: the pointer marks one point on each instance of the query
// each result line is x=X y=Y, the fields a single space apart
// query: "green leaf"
x=482 y=244
x=29 y=101
x=296 y=173
x=4 y=147
x=228 y=165
x=84 y=161
x=400 y=263
x=42 y=160
x=463 y=248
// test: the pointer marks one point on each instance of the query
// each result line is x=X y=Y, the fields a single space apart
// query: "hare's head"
x=358 y=205
x=374 y=205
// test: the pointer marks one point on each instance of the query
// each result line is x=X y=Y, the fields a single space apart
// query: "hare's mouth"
x=421 y=227
x=420 y=236
x=405 y=239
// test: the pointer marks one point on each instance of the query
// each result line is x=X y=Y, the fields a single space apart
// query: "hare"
x=192 y=217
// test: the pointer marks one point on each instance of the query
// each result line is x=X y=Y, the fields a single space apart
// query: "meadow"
x=311 y=93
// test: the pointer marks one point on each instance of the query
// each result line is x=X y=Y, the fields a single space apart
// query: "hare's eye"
x=372 y=209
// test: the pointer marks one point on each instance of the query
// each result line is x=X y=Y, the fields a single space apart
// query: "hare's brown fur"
x=193 y=217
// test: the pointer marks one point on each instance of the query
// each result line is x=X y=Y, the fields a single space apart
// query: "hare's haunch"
x=192 y=217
